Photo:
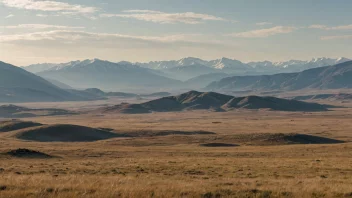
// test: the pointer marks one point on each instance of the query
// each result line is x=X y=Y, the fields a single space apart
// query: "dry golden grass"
x=176 y=166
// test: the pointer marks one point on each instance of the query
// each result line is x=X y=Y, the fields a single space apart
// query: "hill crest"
x=194 y=100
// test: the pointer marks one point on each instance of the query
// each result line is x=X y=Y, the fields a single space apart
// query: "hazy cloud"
x=262 y=33
x=264 y=23
x=162 y=17
x=339 y=37
x=9 y=16
x=324 y=27
x=90 y=36
x=41 y=15
x=91 y=40
x=39 y=26
x=47 y=6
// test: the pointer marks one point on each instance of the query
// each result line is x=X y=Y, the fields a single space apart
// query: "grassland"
x=177 y=166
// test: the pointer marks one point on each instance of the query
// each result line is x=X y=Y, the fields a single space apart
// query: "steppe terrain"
x=182 y=98
x=242 y=153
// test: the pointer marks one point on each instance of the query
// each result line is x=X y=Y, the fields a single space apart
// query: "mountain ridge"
x=19 y=85
x=216 y=64
x=108 y=76
x=168 y=74
x=329 y=77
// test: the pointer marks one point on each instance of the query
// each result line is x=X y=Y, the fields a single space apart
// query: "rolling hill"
x=100 y=93
x=194 y=100
x=330 y=77
x=63 y=133
x=13 y=111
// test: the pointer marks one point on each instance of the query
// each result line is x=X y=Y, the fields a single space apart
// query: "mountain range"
x=187 y=68
x=329 y=77
x=108 y=76
x=120 y=79
x=230 y=64
x=186 y=73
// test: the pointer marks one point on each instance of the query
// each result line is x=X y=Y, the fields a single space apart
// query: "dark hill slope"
x=18 y=85
x=331 y=77
x=64 y=133
x=256 y=102
x=213 y=101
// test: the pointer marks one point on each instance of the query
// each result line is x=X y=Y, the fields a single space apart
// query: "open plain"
x=182 y=98
x=242 y=153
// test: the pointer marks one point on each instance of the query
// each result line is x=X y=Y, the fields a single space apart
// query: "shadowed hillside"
x=64 y=133
x=256 y=102
x=194 y=100
x=98 y=92
x=265 y=139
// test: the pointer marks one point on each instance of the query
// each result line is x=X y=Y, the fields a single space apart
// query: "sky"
x=55 y=31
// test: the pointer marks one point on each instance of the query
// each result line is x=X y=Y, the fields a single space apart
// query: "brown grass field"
x=177 y=166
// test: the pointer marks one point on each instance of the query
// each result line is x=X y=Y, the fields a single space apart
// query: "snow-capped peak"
x=229 y=63
x=342 y=60
x=191 y=61
x=225 y=64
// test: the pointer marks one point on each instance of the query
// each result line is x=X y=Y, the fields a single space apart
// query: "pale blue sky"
x=34 y=31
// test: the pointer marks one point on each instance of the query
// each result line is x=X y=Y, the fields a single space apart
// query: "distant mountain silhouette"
x=234 y=66
x=330 y=77
x=187 y=68
x=35 y=68
x=59 y=84
x=101 y=93
x=188 y=71
x=108 y=76
x=206 y=79
x=194 y=100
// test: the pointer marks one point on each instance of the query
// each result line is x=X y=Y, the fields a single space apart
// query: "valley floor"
x=178 y=166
